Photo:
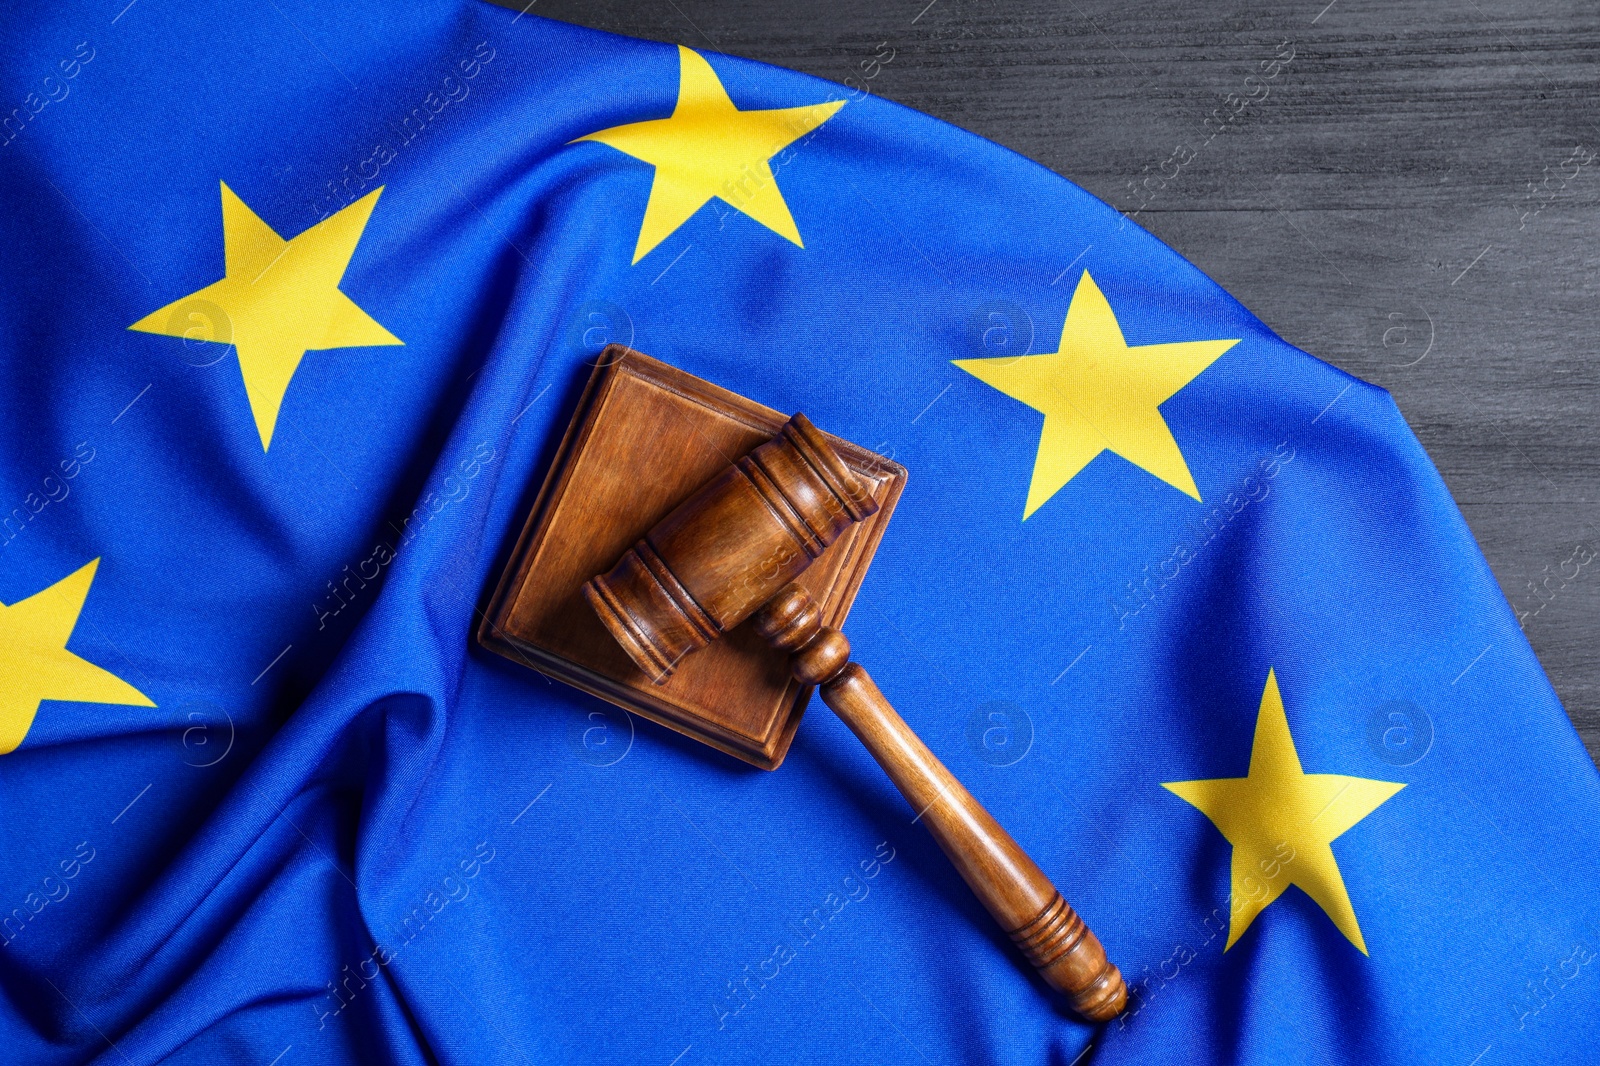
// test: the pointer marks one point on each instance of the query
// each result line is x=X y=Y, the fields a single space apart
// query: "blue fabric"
x=344 y=832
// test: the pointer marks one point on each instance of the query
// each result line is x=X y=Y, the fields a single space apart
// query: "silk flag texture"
x=297 y=301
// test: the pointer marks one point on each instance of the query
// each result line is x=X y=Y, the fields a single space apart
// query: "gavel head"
x=729 y=548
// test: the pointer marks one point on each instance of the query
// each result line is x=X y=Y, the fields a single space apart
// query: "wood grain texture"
x=1005 y=879
x=1404 y=202
x=643 y=437
x=733 y=549
x=726 y=550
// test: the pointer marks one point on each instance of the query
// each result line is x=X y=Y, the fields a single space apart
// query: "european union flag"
x=297 y=301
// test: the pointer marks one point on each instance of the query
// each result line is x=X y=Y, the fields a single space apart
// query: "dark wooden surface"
x=1404 y=202
x=644 y=437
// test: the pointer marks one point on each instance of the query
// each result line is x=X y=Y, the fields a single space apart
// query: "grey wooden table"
x=1416 y=199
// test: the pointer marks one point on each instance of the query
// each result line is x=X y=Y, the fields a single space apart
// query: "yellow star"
x=1282 y=822
x=709 y=148
x=35 y=664
x=278 y=300
x=1097 y=394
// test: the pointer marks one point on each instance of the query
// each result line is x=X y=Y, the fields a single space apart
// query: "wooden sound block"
x=645 y=437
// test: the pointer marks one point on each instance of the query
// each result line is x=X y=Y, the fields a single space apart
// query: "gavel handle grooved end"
x=1047 y=931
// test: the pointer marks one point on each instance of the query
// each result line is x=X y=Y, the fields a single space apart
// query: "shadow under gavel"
x=732 y=550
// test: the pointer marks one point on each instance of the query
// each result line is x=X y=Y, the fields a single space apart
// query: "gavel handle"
x=1009 y=883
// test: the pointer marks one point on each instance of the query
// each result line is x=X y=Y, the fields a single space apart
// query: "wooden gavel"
x=732 y=550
